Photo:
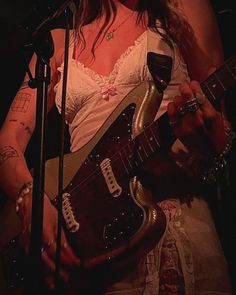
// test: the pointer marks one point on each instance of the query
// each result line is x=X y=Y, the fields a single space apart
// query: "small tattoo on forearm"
x=6 y=153
x=25 y=84
x=21 y=103
x=26 y=128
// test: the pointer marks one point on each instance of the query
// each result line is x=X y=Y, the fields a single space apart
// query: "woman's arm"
x=204 y=51
x=19 y=126
x=14 y=137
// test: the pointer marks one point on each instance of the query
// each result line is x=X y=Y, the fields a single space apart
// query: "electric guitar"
x=108 y=215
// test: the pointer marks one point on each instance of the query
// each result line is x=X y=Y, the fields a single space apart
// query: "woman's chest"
x=101 y=53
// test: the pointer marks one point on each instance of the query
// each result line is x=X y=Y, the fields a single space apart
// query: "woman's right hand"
x=68 y=258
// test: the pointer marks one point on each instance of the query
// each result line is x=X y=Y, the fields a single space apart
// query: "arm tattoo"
x=21 y=103
x=25 y=84
x=6 y=153
x=26 y=128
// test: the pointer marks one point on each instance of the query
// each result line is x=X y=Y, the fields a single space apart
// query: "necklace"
x=110 y=34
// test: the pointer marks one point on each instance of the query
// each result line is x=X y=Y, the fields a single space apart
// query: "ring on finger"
x=190 y=106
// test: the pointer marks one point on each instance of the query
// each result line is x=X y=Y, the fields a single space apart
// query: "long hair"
x=167 y=12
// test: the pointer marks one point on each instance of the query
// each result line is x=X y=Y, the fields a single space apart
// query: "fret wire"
x=145 y=144
x=127 y=156
x=144 y=132
x=153 y=134
x=143 y=147
x=232 y=64
x=154 y=143
x=138 y=152
x=217 y=78
x=227 y=64
x=231 y=61
x=127 y=171
x=229 y=70
x=222 y=69
x=219 y=72
x=208 y=89
x=141 y=151
x=131 y=150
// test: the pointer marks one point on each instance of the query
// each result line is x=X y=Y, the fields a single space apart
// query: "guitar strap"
x=159 y=59
x=158 y=43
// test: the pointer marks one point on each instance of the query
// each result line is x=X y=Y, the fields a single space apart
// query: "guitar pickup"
x=113 y=187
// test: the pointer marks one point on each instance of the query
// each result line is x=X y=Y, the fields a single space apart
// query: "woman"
x=107 y=60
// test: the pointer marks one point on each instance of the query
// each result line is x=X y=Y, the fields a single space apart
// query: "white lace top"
x=189 y=255
x=91 y=97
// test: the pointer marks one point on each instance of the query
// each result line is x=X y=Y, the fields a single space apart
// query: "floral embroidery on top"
x=107 y=91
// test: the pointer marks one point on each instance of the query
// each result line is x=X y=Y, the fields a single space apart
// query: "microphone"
x=22 y=20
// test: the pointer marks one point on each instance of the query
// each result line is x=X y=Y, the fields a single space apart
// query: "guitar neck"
x=220 y=81
x=159 y=134
x=146 y=144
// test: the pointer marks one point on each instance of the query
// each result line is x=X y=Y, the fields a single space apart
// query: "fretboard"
x=220 y=81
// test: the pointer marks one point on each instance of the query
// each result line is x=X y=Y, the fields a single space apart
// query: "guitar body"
x=115 y=216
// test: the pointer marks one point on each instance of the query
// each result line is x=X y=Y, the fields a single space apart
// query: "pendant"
x=109 y=36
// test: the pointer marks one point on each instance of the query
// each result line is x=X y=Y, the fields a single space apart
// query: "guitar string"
x=230 y=63
x=90 y=178
x=97 y=172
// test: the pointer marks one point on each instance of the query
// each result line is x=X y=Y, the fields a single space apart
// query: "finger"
x=49 y=282
x=213 y=119
x=195 y=87
x=174 y=116
x=177 y=121
x=50 y=265
x=190 y=115
x=179 y=102
x=186 y=91
x=186 y=104
x=205 y=105
x=66 y=254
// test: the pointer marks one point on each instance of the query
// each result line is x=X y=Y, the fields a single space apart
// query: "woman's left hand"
x=196 y=122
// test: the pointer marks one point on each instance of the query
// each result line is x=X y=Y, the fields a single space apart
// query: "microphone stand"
x=57 y=279
x=44 y=49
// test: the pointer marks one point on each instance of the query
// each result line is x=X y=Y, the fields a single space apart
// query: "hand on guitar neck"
x=205 y=134
x=203 y=129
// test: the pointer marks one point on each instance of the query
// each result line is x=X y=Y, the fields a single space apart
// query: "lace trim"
x=101 y=79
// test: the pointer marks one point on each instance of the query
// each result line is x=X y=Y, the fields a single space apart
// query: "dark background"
x=224 y=207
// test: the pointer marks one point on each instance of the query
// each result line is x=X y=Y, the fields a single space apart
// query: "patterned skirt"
x=187 y=261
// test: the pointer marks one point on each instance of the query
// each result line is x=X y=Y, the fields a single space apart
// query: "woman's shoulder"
x=58 y=36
